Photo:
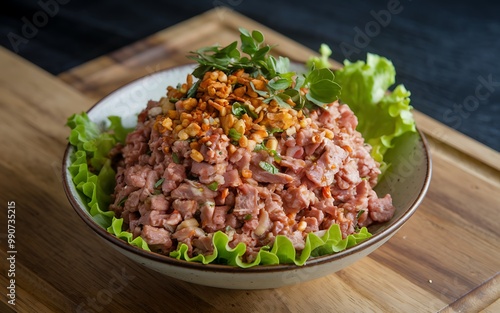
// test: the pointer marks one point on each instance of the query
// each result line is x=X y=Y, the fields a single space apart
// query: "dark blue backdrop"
x=446 y=53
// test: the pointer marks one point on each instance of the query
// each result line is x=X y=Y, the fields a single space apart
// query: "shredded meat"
x=184 y=174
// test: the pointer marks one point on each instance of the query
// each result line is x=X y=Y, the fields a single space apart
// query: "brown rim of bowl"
x=391 y=228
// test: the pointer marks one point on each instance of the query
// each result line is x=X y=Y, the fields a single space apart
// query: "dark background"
x=445 y=53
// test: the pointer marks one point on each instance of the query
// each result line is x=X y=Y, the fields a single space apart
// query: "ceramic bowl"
x=407 y=181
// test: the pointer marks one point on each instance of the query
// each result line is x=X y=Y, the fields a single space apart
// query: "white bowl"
x=407 y=182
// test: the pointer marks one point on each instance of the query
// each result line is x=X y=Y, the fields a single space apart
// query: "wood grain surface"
x=447 y=257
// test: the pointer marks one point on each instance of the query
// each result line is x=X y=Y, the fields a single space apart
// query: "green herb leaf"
x=194 y=88
x=322 y=87
x=248 y=217
x=258 y=36
x=234 y=135
x=229 y=58
x=175 y=158
x=322 y=61
x=273 y=153
x=268 y=167
x=213 y=186
x=281 y=98
x=159 y=182
x=279 y=84
x=238 y=109
x=259 y=92
x=274 y=130
x=360 y=212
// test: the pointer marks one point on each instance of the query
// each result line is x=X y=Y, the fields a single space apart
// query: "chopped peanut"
x=246 y=173
x=196 y=155
x=302 y=226
x=272 y=143
x=243 y=142
x=227 y=122
x=167 y=123
x=183 y=135
x=251 y=145
x=329 y=134
x=194 y=145
x=239 y=126
x=193 y=129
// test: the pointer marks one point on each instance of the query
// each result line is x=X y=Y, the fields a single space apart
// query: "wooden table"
x=447 y=257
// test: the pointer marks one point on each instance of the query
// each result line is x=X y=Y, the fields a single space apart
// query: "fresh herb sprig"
x=284 y=86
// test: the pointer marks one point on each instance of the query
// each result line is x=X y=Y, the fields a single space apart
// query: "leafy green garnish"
x=320 y=82
x=248 y=217
x=240 y=109
x=273 y=153
x=322 y=60
x=116 y=228
x=360 y=212
x=175 y=158
x=159 y=182
x=234 y=134
x=268 y=167
x=274 y=130
x=382 y=116
x=90 y=166
x=322 y=87
x=213 y=186
x=282 y=251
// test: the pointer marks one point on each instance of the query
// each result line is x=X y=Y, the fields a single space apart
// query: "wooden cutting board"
x=447 y=257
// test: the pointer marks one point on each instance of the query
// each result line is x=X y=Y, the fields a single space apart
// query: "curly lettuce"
x=282 y=251
x=382 y=115
x=90 y=166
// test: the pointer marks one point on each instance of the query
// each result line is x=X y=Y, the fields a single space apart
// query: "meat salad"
x=220 y=155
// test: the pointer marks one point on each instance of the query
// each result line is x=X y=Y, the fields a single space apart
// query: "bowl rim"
x=152 y=256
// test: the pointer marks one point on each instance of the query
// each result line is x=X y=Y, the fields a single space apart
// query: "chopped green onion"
x=159 y=182
x=268 y=167
x=274 y=130
x=273 y=153
x=213 y=186
x=175 y=158
x=234 y=135
x=360 y=212
x=248 y=217
x=239 y=109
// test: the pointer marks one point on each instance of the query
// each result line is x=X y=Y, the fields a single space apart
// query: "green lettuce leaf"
x=90 y=167
x=116 y=228
x=382 y=115
x=321 y=61
x=282 y=251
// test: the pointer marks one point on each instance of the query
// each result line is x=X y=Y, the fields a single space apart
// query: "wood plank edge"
x=458 y=141
x=477 y=299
